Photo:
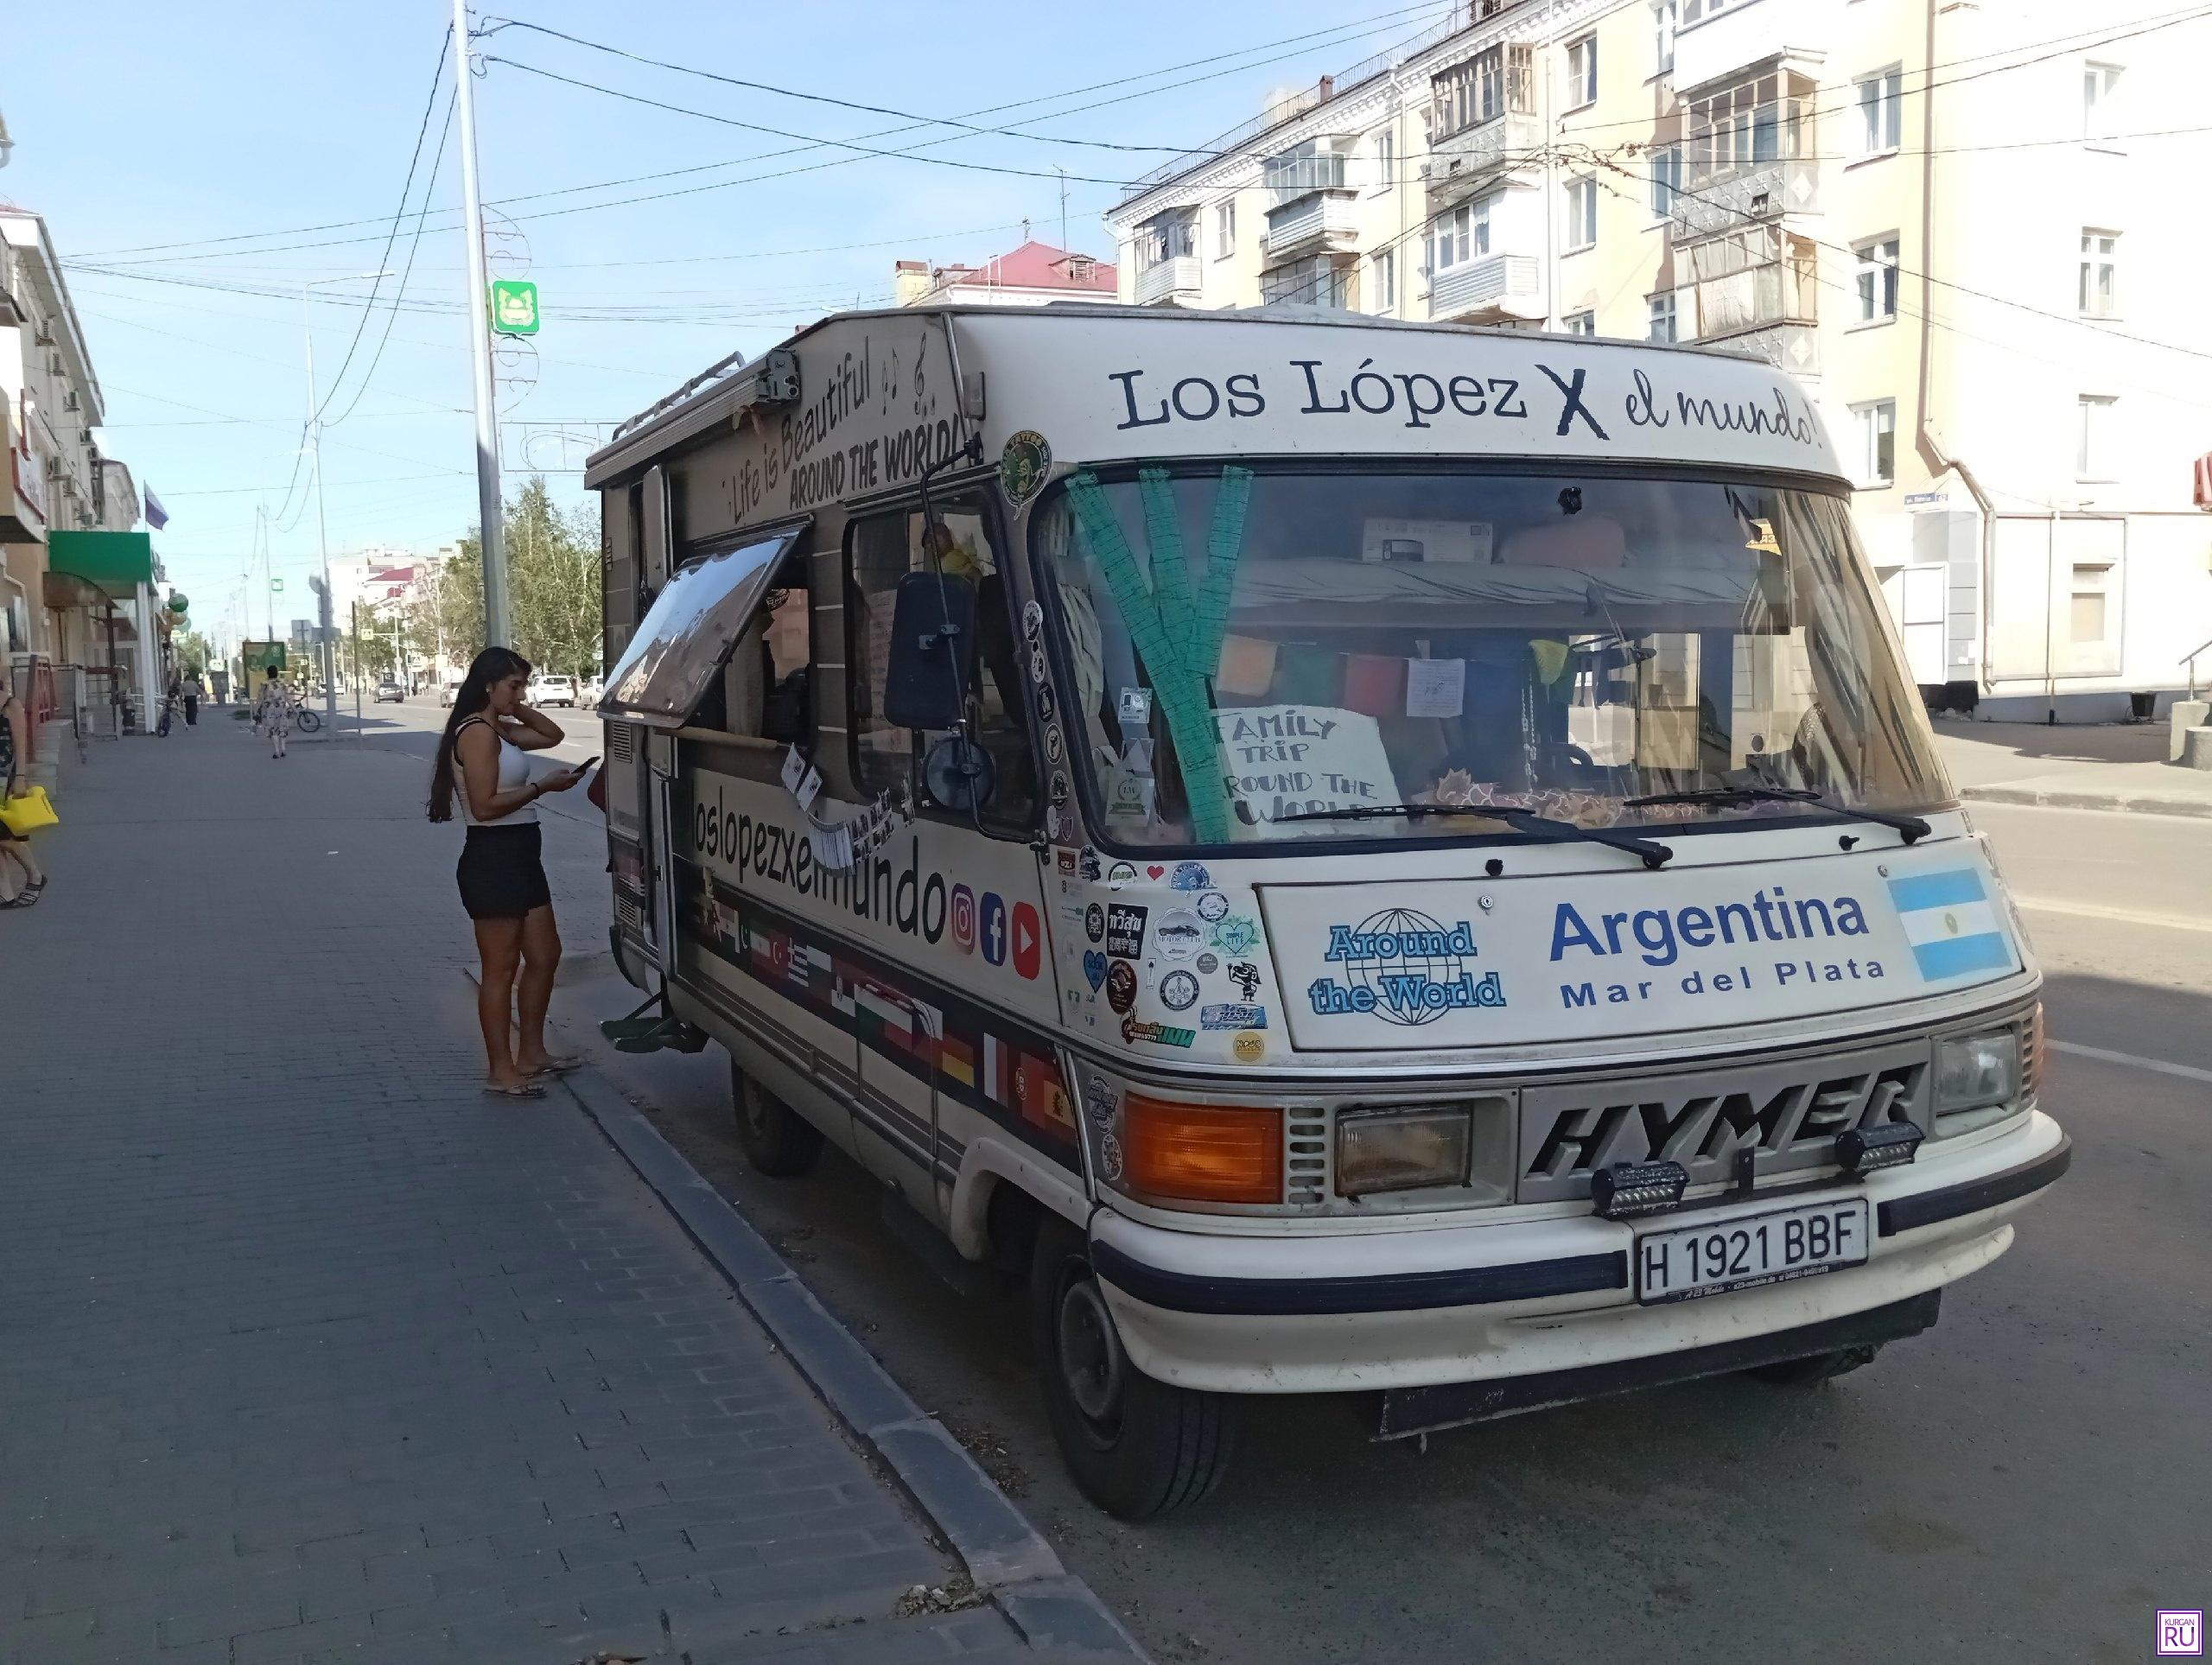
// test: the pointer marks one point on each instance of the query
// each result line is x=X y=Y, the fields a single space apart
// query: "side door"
x=955 y=1031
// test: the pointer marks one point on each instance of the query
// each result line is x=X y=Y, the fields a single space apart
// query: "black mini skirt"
x=502 y=872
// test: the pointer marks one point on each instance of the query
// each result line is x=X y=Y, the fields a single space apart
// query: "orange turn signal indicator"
x=1202 y=1152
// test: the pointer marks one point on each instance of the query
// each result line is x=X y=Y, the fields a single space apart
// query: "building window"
x=2093 y=447
x=1876 y=428
x=1225 y=229
x=2100 y=98
x=1881 y=117
x=1316 y=281
x=1878 y=279
x=1662 y=317
x=1666 y=17
x=1694 y=9
x=1580 y=323
x=2099 y=274
x=1386 y=279
x=1666 y=179
x=1581 y=213
x=1582 y=71
x=1459 y=235
x=2092 y=585
x=1482 y=88
x=1386 y=160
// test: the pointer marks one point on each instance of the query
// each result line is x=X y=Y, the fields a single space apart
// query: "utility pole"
x=498 y=627
x=324 y=616
x=1063 y=173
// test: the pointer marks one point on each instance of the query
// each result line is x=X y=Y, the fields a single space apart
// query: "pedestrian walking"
x=171 y=697
x=14 y=782
x=194 y=693
x=272 y=712
x=481 y=762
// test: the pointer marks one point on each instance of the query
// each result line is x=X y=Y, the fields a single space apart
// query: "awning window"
x=681 y=643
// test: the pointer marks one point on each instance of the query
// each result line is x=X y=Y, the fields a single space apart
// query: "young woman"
x=272 y=714
x=15 y=782
x=480 y=762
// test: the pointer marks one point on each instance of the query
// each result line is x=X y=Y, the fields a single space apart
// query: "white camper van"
x=1359 y=857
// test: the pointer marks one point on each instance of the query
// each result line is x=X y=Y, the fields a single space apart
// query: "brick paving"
x=310 y=1352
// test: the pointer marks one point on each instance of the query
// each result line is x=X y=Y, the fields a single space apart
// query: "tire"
x=1819 y=1368
x=1136 y=1447
x=306 y=720
x=776 y=1140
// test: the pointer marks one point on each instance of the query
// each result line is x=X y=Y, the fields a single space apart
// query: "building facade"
x=1947 y=220
x=1034 y=274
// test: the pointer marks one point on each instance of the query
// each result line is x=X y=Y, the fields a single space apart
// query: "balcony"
x=1173 y=281
x=1318 y=224
x=1733 y=35
x=1299 y=174
x=1465 y=162
x=1715 y=201
x=1495 y=288
x=1758 y=293
x=1792 y=345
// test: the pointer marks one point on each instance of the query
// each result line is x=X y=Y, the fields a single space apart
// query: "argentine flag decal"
x=1953 y=924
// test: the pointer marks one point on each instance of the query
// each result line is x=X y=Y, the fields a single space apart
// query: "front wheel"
x=307 y=721
x=778 y=1140
x=1136 y=1447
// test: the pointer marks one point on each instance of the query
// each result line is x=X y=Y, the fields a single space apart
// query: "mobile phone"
x=587 y=763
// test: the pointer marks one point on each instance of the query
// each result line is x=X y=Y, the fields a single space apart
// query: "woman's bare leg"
x=19 y=850
x=541 y=957
x=498 y=947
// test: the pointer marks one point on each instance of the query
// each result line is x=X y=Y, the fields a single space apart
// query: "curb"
x=2061 y=800
x=1006 y=1557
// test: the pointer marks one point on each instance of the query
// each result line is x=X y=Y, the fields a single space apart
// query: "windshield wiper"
x=1912 y=828
x=1654 y=855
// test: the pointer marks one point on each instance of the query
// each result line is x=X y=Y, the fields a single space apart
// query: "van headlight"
x=1974 y=1071
x=1403 y=1149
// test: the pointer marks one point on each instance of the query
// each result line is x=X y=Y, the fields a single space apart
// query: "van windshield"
x=1252 y=645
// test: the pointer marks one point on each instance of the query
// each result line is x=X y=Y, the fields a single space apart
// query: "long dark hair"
x=493 y=664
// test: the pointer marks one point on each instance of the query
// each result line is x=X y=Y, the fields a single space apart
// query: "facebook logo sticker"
x=994 y=928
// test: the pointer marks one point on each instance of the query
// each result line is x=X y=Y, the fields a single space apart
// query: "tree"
x=194 y=654
x=553 y=588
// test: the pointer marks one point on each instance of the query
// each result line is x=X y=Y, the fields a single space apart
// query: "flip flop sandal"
x=28 y=895
x=560 y=1064
x=520 y=1090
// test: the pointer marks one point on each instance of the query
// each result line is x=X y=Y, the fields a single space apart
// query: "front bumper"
x=1315 y=1313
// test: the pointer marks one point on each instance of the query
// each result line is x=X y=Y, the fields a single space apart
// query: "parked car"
x=450 y=692
x=552 y=691
x=589 y=691
x=389 y=690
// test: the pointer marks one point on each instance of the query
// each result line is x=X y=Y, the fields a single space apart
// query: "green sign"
x=514 y=306
x=275 y=586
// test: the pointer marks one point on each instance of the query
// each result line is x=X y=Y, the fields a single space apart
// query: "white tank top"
x=514 y=775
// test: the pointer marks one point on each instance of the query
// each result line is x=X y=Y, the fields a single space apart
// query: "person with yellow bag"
x=23 y=806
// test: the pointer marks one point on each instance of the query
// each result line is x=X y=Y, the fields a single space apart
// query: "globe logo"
x=1404 y=968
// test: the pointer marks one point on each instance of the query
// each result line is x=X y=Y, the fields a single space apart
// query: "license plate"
x=1684 y=1263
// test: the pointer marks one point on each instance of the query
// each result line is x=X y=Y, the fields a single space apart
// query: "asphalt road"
x=2026 y=1481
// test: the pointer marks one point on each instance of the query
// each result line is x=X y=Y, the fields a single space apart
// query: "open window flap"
x=681 y=642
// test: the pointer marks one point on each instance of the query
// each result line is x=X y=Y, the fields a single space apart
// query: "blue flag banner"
x=156 y=516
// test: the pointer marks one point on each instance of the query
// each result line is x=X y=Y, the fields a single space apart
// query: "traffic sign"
x=514 y=306
x=275 y=586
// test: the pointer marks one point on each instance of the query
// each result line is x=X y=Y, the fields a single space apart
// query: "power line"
x=414 y=245
x=406 y=189
x=1303 y=41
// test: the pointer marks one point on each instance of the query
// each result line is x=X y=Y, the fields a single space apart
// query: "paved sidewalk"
x=308 y=1352
x=2077 y=766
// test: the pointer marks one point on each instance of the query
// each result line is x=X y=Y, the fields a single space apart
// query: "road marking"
x=2126 y=916
x=2185 y=1072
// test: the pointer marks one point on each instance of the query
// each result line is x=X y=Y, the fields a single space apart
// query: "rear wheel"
x=1137 y=1447
x=776 y=1138
x=1819 y=1368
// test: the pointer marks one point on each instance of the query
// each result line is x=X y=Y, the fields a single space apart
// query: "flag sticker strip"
x=1953 y=924
x=1013 y=1077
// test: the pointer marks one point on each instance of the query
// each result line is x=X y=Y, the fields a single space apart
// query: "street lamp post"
x=321 y=525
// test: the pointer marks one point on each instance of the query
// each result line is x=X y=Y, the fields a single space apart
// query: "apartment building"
x=1034 y=274
x=1955 y=224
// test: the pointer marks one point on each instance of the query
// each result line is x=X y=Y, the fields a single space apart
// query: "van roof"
x=723 y=375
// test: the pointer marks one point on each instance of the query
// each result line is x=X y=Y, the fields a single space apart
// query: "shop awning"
x=688 y=631
x=117 y=561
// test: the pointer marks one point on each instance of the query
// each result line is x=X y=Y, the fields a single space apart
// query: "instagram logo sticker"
x=2179 y=1633
x=964 y=918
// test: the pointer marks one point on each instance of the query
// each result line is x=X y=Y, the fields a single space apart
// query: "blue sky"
x=152 y=124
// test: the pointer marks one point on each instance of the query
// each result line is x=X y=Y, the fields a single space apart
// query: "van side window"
x=765 y=690
x=884 y=548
